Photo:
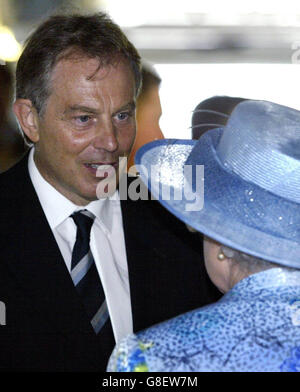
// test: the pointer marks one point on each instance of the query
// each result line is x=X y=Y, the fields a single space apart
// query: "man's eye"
x=122 y=116
x=83 y=119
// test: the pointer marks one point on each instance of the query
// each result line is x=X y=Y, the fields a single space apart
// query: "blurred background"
x=199 y=49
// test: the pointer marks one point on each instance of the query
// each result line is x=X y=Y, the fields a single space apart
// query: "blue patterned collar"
x=274 y=277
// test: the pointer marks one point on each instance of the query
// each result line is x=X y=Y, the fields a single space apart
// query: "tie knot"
x=84 y=220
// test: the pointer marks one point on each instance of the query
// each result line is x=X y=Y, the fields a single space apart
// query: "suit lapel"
x=40 y=269
x=128 y=214
x=142 y=257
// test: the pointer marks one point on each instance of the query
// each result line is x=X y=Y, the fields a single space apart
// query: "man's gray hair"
x=94 y=36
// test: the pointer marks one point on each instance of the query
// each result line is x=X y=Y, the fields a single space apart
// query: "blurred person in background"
x=251 y=220
x=212 y=113
x=148 y=113
x=12 y=145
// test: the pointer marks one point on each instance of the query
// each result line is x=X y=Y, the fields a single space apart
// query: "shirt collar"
x=58 y=208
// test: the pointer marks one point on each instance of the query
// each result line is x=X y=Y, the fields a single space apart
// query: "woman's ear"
x=28 y=118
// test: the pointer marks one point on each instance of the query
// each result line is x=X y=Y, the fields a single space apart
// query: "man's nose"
x=106 y=137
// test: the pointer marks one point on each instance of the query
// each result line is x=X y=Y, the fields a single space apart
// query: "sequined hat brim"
x=236 y=213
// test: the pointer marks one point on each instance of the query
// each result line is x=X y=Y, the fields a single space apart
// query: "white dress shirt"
x=107 y=244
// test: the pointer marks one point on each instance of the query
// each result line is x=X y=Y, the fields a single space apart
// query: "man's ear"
x=28 y=118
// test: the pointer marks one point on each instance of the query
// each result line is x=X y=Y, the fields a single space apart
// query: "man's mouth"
x=102 y=169
x=98 y=164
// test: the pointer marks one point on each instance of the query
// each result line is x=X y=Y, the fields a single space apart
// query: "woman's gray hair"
x=249 y=264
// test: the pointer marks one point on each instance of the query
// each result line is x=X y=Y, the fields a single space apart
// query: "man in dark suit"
x=78 y=272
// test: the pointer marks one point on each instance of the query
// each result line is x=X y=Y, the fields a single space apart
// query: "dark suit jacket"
x=46 y=327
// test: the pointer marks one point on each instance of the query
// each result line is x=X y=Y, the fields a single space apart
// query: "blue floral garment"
x=254 y=327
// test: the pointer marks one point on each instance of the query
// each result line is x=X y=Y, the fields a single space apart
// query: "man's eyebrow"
x=80 y=108
x=87 y=109
x=131 y=106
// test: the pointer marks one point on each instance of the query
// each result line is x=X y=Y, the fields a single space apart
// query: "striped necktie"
x=85 y=275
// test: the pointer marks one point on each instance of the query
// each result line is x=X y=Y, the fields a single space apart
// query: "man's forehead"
x=86 y=68
x=86 y=82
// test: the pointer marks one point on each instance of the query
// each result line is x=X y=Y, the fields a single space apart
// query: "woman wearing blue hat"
x=250 y=217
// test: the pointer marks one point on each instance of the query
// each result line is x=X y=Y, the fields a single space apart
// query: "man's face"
x=89 y=121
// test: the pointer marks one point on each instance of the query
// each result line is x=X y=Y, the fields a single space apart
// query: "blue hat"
x=251 y=182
